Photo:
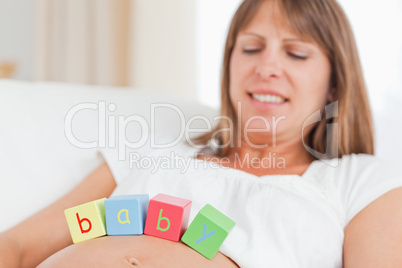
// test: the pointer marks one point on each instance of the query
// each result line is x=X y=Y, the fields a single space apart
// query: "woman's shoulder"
x=362 y=159
x=361 y=179
x=367 y=165
x=357 y=172
x=357 y=165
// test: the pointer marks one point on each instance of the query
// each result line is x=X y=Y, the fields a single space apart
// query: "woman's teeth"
x=268 y=98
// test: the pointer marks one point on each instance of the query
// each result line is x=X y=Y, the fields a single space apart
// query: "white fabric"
x=38 y=164
x=281 y=220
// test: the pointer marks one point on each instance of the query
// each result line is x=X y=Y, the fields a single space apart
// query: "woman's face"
x=276 y=75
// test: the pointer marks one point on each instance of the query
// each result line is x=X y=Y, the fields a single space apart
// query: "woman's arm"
x=38 y=237
x=373 y=238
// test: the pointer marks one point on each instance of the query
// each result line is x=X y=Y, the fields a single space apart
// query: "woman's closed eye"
x=294 y=55
x=297 y=56
x=251 y=50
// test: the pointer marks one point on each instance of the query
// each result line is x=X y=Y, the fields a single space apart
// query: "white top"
x=281 y=220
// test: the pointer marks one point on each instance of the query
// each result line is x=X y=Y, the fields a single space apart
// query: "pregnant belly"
x=133 y=251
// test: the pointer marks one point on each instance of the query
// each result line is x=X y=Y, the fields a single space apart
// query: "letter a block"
x=167 y=217
x=126 y=214
x=86 y=221
x=208 y=231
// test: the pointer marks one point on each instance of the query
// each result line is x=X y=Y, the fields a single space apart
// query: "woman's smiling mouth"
x=263 y=99
x=268 y=98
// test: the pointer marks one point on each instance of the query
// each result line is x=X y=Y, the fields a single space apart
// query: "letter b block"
x=86 y=221
x=126 y=214
x=167 y=217
x=208 y=231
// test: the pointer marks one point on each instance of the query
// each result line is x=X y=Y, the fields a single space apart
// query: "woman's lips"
x=266 y=92
x=267 y=101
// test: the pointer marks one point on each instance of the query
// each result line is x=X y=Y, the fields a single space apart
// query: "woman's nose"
x=269 y=66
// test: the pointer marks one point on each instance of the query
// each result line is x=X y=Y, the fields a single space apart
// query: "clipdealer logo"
x=112 y=129
x=330 y=157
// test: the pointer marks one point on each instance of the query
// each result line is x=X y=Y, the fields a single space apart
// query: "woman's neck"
x=283 y=158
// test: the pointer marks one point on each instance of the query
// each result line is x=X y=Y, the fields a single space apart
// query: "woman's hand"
x=9 y=252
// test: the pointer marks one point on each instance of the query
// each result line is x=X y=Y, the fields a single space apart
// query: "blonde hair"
x=324 y=22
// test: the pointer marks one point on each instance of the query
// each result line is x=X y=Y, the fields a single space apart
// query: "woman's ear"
x=331 y=95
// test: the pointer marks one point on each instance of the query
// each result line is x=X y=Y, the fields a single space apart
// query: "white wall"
x=17 y=35
x=163 y=46
x=377 y=31
x=380 y=45
x=213 y=20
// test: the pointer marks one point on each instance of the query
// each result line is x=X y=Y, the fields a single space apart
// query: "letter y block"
x=86 y=221
x=167 y=217
x=208 y=231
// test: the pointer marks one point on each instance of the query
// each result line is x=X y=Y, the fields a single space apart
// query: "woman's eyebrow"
x=293 y=40
x=289 y=40
x=253 y=34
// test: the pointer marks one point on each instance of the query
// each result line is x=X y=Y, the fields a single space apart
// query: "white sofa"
x=39 y=161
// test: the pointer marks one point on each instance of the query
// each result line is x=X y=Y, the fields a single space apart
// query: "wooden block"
x=86 y=221
x=208 y=230
x=126 y=214
x=167 y=217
